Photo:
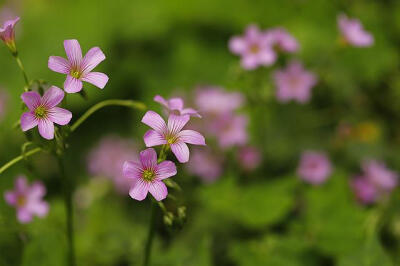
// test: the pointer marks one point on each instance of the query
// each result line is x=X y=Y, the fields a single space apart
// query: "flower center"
x=41 y=112
x=75 y=74
x=254 y=48
x=148 y=175
x=21 y=201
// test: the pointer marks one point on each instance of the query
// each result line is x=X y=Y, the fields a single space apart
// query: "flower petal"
x=153 y=138
x=28 y=121
x=92 y=58
x=132 y=169
x=24 y=216
x=32 y=99
x=148 y=158
x=191 y=112
x=40 y=208
x=176 y=104
x=98 y=79
x=155 y=121
x=59 y=64
x=52 y=97
x=177 y=122
x=237 y=45
x=10 y=197
x=72 y=85
x=37 y=190
x=192 y=137
x=159 y=190
x=161 y=100
x=181 y=151
x=21 y=185
x=166 y=169
x=74 y=52
x=139 y=190
x=46 y=128
x=59 y=116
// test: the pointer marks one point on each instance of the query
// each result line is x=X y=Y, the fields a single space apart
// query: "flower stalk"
x=150 y=234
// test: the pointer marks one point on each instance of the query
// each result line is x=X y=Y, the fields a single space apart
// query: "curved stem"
x=150 y=234
x=18 y=159
x=127 y=103
x=21 y=66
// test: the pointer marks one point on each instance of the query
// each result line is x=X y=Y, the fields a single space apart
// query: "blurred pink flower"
x=215 y=100
x=148 y=175
x=364 y=190
x=3 y=101
x=175 y=106
x=43 y=111
x=249 y=157
x=171 y=134
x=353 y=32
x=379 y=175
x=230 y=130
x=79 y=69
x=205 y=164
x=314 y=167
x=28 y=200
x=294 y=83
x=281 y=40
x=7 y=33
x=254 y=47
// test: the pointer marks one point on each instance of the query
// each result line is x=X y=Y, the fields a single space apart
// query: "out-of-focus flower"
x=205 y=164
x=175 y=106
x=28 y=200
x=365 y=191
x=254 y=47
x=215 y=100
x=7 y=34
x=249 y=157
x=79 y=69
x=108 y=157
x=43 y=111
x=367 y=132
x=294 y=83
x=3 y=101
x=379 y=175
x=282 y=40
x=171 y=134
x=231 y=130
x=148 y=175
x=314 y=167
x=353 y=32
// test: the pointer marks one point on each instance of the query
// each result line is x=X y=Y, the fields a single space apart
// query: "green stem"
x=21 y=66
x=127 y=103
x=150 y=234
x=18 y=159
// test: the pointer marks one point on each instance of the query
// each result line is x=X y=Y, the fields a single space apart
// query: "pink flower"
x=379 y=175
x=43 y=111
x=205 y=164
x=231 y=130
x=7 y=34
x=79 y=69
x=249 y=157
x=294 y=83
x=281 y=40
x=216 y=100
x=171 y=134
x=175 y=106
x=254 y=48
x=28 y=200
x=148 y=175
x=365 y=191
x=314 y=167
x=353 y=32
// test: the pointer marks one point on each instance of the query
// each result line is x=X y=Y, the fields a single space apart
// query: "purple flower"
x=281 y=40
x=171 y=134
x=79 y=69
x=175 y=106
x=294 y=83
x=7 y=33
x=205 y=164
x=365 y=191
x=249 y=157
x=28 y=200
x=215 y=100
x=231 y=130
x=314 y=167
x=379 y=175
x=353 y=32
x=254 y=48
x=43 y=111
x=148 y=175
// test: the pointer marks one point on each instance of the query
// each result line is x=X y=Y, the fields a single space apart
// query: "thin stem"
x=18 y=159
x=21 y=66
x=127 y=103
x=150 y=234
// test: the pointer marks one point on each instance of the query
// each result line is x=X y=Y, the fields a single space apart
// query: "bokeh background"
x=262 y=216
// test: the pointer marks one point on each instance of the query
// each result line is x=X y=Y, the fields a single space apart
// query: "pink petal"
x=176 y=104
x=10 y=197
x=21 y=185
x=155 y=121
x=32 y=99
x=153 y=138
x=37 y=190
x=181 y=151
x=52 y=97
x=139 y=190
x=59 y=64
x=28 y=121
x=190 y=111
x=59 y=116
x=24 y=216
x=177 y=122
x=237 y=45
x=72 y=85
x=249 y=62
x=161 y=100
x=46 y=129
x=132 y=169
x=159 y=190
x=192 y=137
x=74 y=52
x=92 y=58
x=166 y=169
x=98 y=79
x=148 y=157
x=39 y=208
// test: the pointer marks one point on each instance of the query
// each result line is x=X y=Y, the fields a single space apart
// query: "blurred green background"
x=267 y=217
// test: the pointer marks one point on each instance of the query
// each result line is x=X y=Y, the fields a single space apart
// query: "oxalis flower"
x=175 y=106
x=314 y=167
x=28 y=200
x=171 y=134
x=148 y=175
x=79 y=69
x=43 y=111
x=7 y=34
x=353 y=32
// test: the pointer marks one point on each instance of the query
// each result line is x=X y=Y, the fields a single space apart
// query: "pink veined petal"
x=40 y=208
x=10 y=197
x=24 y=216
x=59 y=116
x=190 y=111
x=177 y=122
x=98 y=79
x=181 y=151
x=155 y=121
x=159 y=190
x=52 y=97
x=192 y=137
x=166 y=169
x=92 y=58
x=175 y=104
x=32 y=99
x=132 y=169
x=46 y=129
x=161 y=100
x=74 y=52
x=148 y=158
x=11 y=23
x=37 y=191
x=153 y=138
x=139 y=190
x=28 y=121
x=72 y=85
x=59 y=64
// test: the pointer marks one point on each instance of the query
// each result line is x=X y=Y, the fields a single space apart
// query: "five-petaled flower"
x=175 y=106
x=353 y=32
x=79 y=69
x=148 y=175
x=7 y=34
x=28 y=200
x=171 y=134
x=43 y=111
